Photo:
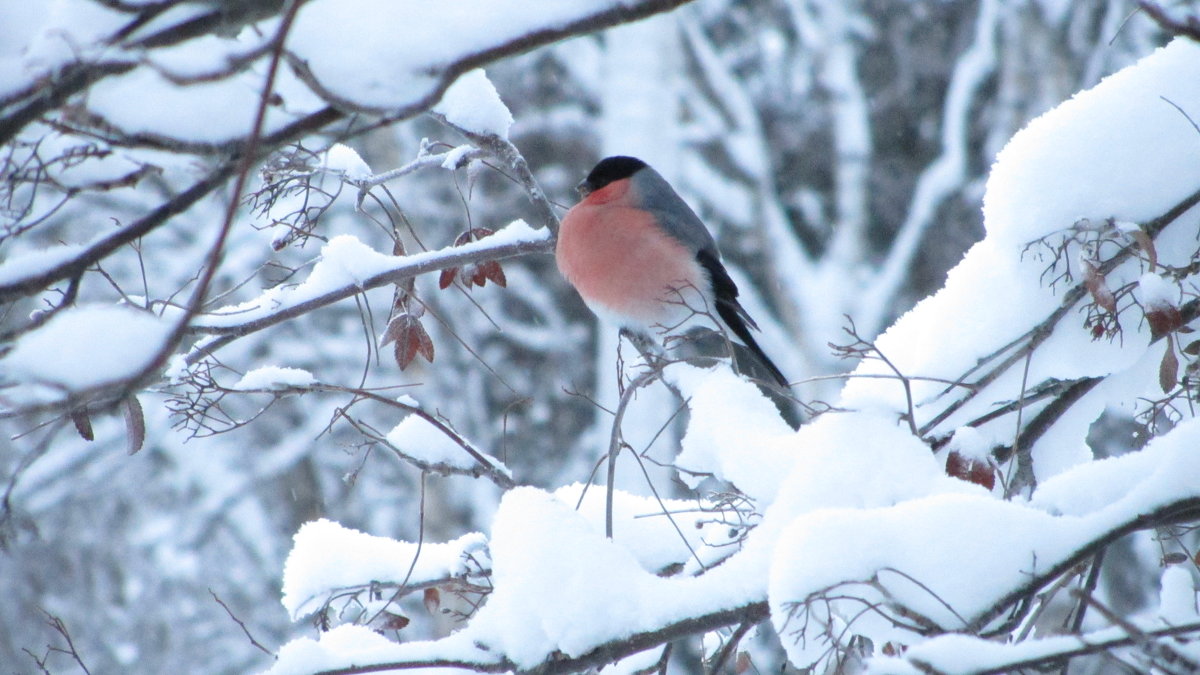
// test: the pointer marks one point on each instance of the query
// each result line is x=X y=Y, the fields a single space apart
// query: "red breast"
x=622 y=262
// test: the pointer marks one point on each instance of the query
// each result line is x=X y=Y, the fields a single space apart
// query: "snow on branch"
x=30 y=279
x=412 y=67
x=329 y=564
x=348 y=267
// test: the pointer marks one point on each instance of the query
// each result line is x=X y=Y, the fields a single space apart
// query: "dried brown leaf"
x=432 y=599
x=971 y=470
x=1097 y=286
x=404 y=352
x=1145 y=243
x=494 y=273
x=395 y=328
x=394 y=621
x=135 y=424
x=478 y=275
x=83 y=423
x=1168 y=369
x=473 y=234
x=424 y=343
x=447 y=277
x=410 y=339
x=1163 y=320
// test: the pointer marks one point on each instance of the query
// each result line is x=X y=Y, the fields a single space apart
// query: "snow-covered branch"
x=1017 y=351
x=32 y=275
x=351 y=268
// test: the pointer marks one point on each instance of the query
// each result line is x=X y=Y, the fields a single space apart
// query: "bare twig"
x=505 y=152
x=867 y=349
x=1189 y=27
x=227 y=332
x=1033 y=338
x=416 y=554
x=722 y=657
x=70 y=650
x=1183 y=509
x=241 y=624
x=1083 y=646
x=615 y=443
x=497 y=474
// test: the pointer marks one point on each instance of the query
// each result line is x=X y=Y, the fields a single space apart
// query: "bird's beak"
x=583 y=189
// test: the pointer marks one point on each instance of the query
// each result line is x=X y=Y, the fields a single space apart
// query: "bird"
x=638 y=254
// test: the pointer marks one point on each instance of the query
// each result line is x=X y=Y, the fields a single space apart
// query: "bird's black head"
x=610 y=170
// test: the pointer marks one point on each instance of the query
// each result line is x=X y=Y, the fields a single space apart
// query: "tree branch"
x=1189 y=27
x=181 y=202
x=1033 y=338
x=1184 y=509
x=1084 y=645
x=609 y=652
x=504 y=151
x=406 y=268
x=614 y=15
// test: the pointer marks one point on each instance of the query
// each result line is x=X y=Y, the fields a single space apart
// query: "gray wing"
x=680 y=221
x=658 y=197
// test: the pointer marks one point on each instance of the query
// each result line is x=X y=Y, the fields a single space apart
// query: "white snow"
x=515 y=232
x=455 y=156
x=87 y=346
x=392 y=69
x=1156 y=292
x=144 y=102
x=209 y=55
x=417 y=438
x=344 y=160
x=915 y=549
x=36 y=37
x=971 y=444
x=472 y=103
x=1177 y=596
x=275 y=377
x=31 y=263
x=346 y=261
x=327 y=557
x=644 y=527
x=1147 y=164
x=548 y=602
x=736 y=433
x=1144 y=167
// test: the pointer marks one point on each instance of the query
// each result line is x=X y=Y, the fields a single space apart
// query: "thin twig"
x=615 y=443
x=729 y=647
x=416 y=555
x=1033 y=338
x=241 y=624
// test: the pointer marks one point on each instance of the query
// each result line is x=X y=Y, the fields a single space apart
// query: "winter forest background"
x=250 y=424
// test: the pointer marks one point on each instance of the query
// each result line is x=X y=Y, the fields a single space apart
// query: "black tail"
x=734 y=315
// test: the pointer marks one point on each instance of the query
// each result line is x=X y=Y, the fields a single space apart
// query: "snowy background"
x=289 y=383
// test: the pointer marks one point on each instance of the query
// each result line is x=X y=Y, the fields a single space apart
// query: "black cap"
x=610 y=170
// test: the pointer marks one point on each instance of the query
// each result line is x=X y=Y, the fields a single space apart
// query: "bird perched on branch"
x=636 y=252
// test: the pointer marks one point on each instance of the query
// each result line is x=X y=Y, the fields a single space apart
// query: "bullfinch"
x=637 y=253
